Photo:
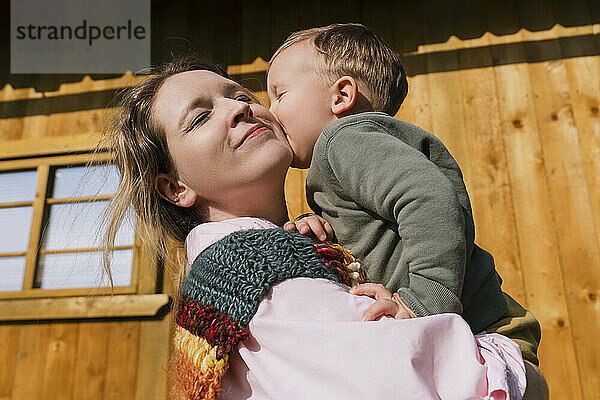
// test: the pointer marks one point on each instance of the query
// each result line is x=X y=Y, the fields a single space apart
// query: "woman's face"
x=221 y=140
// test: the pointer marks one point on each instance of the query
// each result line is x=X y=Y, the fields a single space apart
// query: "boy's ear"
x=174 y=191
x=345 y=95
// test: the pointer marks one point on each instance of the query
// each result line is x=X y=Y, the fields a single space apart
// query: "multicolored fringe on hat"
x=221 y=294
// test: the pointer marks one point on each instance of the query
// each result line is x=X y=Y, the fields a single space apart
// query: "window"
x=51 y=227
x=17 y=193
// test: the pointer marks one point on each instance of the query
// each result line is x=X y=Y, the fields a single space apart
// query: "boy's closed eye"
x=278 y=95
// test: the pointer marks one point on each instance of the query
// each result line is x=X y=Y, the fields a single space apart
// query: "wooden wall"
x=518 y=109
x=512 y=88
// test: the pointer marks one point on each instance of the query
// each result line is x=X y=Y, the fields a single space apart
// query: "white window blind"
x=17 y=186
x=17 y=192
x=16 y=224
x=67 y=222
x=70 y=254
x=85 y=181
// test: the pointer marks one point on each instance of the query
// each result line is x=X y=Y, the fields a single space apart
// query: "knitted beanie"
x=222 y=292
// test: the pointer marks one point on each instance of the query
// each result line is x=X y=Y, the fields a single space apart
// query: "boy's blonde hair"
x=355 y=50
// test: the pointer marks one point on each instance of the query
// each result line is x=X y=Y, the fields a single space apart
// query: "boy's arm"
x=397 y=182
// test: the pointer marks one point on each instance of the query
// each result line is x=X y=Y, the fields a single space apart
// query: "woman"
x=201 y=159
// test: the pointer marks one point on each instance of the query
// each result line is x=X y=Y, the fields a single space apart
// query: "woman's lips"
x=253 y=132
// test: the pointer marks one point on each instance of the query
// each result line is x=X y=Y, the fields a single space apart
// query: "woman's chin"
x=275 y=156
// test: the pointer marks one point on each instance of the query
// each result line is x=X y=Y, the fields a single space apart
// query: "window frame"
x=141 y=298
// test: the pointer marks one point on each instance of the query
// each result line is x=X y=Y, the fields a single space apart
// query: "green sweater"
x=396 y=198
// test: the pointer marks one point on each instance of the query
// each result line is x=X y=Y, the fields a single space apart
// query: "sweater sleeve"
x=387 y=177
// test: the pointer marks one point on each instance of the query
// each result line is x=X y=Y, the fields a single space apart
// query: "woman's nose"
x=240 y=111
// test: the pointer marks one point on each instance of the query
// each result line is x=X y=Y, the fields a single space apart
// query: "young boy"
x=391 y=191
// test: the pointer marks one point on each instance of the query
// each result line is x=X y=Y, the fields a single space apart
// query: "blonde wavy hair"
x=139 y=146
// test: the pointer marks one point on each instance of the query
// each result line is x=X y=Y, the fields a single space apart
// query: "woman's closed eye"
x=199 y=120
x=203 y=116
x=245 y=98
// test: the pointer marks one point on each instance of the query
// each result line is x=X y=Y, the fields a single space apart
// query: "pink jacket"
x=307 y=342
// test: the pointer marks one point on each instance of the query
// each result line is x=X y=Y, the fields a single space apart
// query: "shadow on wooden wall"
x=238 y=31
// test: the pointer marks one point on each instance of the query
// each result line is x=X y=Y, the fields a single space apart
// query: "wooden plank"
x=9 y=344
x=85 y=85
x=594 y=10
x=148 y=269
x=14 y=254
x=533 y=214
x=16 y=204
x=340 y=11
x=33 y=127
x=82 y=307
x=43 y=172
x=137 y=264
x=73 y=159
x=255 y=37
x=31 y=362
x=40 y=293
x=227 y=44
x=90 y=368
x=11 y=131
x=570 y=200
x=17 y=147
x=203 y=33
x=153 y=357
x=489 y=189
x=310 y=14
x=445 y=92
x=305 y=207
x=122 y=362
x=408 y=31
x=416 y=107
x=79 y=199
x=151 y=333
x=295 y=193
x=173 y=27
x=496 y=35
x=376 y=16
x=76 y=123
x=173 y=270
x=82 y=250
x=60 y=361
x=583 y=74
x=258 y=65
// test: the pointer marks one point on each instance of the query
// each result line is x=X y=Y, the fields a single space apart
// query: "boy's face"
x=300 y=100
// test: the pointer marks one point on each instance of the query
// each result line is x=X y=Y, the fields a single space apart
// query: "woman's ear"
x=174 y=191
x=345 y=95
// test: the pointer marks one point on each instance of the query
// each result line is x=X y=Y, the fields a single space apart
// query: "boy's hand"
x=386 y=304
x=311 y=224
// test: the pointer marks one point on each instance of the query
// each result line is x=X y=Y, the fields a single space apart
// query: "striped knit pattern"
x=199 y=351
x=343 y=262
x=221 y=294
